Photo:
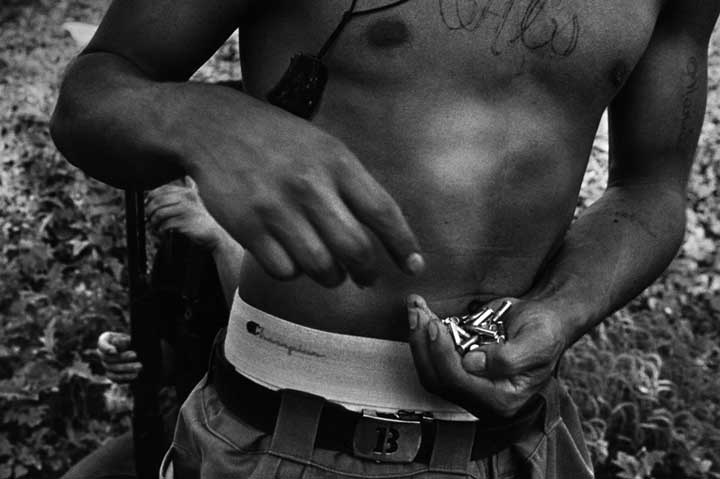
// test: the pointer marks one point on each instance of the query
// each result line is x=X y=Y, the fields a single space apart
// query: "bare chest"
x=587 y=46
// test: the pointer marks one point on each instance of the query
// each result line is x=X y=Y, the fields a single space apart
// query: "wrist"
x=570 y=317
x=177 y=127
x=220 y=242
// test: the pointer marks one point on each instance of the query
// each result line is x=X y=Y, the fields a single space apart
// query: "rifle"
x=147 y=422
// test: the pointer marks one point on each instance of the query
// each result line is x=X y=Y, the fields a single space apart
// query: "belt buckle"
x=388 y=437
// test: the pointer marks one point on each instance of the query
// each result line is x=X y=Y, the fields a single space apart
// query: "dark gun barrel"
x=145 y=340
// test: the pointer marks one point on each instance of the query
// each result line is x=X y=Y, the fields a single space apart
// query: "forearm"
x=611 y=253
x=120 y=126
x=228 y=256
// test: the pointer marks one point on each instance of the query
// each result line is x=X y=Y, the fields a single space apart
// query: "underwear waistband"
x=355 y=372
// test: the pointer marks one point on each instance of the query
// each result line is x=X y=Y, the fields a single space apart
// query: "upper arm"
x=167 y=39
x=655 y=120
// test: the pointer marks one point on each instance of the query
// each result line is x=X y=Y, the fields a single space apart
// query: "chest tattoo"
x=550 y=26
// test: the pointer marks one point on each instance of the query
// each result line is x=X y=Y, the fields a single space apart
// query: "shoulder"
x=696 y=17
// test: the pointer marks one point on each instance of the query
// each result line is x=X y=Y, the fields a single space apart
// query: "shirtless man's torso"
x=478 y=117
x=444 y=162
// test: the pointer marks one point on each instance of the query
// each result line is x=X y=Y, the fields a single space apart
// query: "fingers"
x=123 y=368
x=273 y=257
x=159 y=202
x=438 y=364
x=111 y=342
x=347 y=240
x=121 y=365
x=454 y=382
x=531 y=345
x=164 y=213
x=305 y=246
x=444 y=372
x=480 y=395
x=121 y=358
x=126 y=376
x=169 y=195
x=374 y=207
x=419 y=316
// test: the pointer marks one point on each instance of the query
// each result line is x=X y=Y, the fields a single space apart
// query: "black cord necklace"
x=301 y=87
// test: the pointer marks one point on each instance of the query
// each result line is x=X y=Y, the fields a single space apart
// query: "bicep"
x=166 y=39
x=655 y=120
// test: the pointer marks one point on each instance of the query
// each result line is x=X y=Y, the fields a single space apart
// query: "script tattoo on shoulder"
x=692 y=84
x=537 y=25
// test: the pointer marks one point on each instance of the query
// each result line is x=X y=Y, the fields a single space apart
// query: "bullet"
x=454 y=331
x=482 y=331
x=463 y=348
x=463 y=333
x=480 y=318
x=503 y=309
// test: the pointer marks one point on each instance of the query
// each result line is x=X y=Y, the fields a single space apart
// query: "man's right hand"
x=300 y=201
x=291 y=194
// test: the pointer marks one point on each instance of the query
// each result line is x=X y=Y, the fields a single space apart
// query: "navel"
x=387 y=33
x=619 y=73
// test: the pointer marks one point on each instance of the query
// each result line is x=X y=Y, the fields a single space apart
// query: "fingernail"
x=414 y=301
x=415 y=263
x=433 y=330
x=412 y=320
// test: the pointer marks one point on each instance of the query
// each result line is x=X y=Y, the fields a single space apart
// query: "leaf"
x=5 y=446
x=78 y=246
x=80 y=32
x=48 y=337
x=30 y=416
x=19 y=471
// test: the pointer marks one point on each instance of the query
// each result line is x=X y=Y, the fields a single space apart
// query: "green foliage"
x=646 y=380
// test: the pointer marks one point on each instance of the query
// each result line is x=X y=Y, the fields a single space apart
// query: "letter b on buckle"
x=387 y=439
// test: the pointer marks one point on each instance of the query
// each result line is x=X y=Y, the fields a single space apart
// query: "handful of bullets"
x=471 y=331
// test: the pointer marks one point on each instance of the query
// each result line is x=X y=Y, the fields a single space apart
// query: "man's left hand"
x=497 y=379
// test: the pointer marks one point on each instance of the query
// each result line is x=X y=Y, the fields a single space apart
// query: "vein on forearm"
x=611 y=253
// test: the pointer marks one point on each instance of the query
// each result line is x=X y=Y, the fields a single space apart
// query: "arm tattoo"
x=692 y=80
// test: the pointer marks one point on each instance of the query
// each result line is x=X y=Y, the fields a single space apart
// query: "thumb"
x=501 y=360
x=491 y=360
x=190 y=183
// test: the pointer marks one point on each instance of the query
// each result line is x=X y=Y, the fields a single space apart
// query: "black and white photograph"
x=359 y=239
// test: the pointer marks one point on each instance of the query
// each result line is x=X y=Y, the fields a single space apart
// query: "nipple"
x=387 y=33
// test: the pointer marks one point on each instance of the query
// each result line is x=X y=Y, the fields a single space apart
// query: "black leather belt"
x=338 y=427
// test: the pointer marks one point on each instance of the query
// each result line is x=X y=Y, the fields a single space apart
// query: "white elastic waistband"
x=356 y=372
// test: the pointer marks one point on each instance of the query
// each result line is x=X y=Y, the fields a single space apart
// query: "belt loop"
x=297 y=424
x=453 y=445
